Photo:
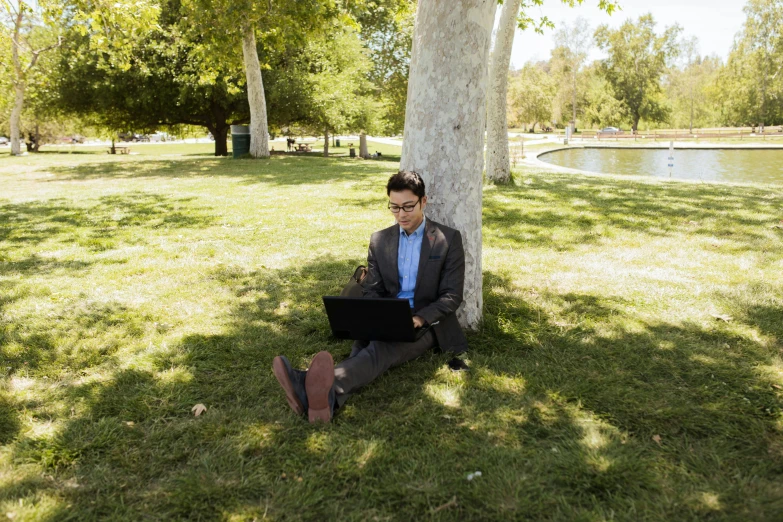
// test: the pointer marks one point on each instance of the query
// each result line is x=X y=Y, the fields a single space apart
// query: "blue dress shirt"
x=408 y=261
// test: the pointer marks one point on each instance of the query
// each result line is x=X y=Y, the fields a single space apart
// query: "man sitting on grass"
x=416 y=259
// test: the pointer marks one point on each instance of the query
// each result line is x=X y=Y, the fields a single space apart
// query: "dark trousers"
x=369 y=360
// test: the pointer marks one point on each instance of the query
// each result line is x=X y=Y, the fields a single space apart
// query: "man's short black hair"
x=406 y=180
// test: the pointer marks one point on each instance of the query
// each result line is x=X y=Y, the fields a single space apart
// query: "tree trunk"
x=16 y=119
x=221 y=140
x=16 y=112
x=763 y=111
x=220 y=132
x=363 y=146
x=690 y=126
x=37 y=144
x=498 y=165
x=259 y=139
x=690 y=85
x=445 y=120
x=326 y=144
x=573 y=101
x=114 y=149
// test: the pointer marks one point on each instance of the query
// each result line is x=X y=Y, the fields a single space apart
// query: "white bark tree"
x=259 y=137
x=16 y=118
x=445 y=120
x=33 y=27
x=498 y=166
x=689 y=51
x=20 y=19
x=366 y=121
x=576 y=40
x=363 y=153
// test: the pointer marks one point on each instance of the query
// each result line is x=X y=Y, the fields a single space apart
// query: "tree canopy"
x=750 y=86
x=637 y=59
x=531 y=92
x=164 y=85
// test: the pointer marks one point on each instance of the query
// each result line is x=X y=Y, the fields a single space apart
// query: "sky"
x=713 y=22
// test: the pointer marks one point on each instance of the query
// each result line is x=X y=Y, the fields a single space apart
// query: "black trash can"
x=240 y=140
x=338 y=142
x=352 y=152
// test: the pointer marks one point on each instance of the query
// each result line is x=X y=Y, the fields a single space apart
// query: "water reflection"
x=757 y=166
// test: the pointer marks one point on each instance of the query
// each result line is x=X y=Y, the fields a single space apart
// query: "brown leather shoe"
x=291 y=382
x=318 y=384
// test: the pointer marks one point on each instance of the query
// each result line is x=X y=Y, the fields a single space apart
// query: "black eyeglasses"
x=407 y=208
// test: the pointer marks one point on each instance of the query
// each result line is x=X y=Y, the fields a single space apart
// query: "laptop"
x=372 y=319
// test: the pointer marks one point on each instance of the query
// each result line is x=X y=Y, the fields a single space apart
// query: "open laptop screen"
x=371 y=319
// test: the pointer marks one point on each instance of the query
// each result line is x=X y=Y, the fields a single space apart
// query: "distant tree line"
x=654 y=79
x=341 y=66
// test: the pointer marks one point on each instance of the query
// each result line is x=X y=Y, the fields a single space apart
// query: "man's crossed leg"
x=323 y=387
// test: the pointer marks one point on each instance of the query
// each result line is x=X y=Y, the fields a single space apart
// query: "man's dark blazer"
x=439 y=281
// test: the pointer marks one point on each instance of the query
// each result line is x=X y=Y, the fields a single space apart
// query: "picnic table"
x=303 y=147
x=120 y=150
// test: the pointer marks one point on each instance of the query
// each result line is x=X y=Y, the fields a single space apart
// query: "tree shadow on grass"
x=9 y=418
x=67 y=343
x=560 y=414
x=278 y=312
x=40 y=265
x=136 y=168
x=68 y=152
x=769 y=320
x=97 y=227
x=276 y=171
x=698 y=389
x=367 y=203
x=319 y=170
x=562 y=417
x=558 y=411
x=62 y=348
x=592 y=208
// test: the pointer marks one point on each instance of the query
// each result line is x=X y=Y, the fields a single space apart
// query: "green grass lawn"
x=602 y=386
x=173 y=150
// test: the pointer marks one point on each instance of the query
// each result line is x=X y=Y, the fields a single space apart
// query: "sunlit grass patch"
x=628 y=365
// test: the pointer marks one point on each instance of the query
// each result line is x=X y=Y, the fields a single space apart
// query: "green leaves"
x=115 y=26
x=530 y=94
x=637 y=59
x=750 y=87
x=525 y=21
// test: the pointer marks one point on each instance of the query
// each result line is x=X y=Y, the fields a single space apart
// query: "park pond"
x=735 y=165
